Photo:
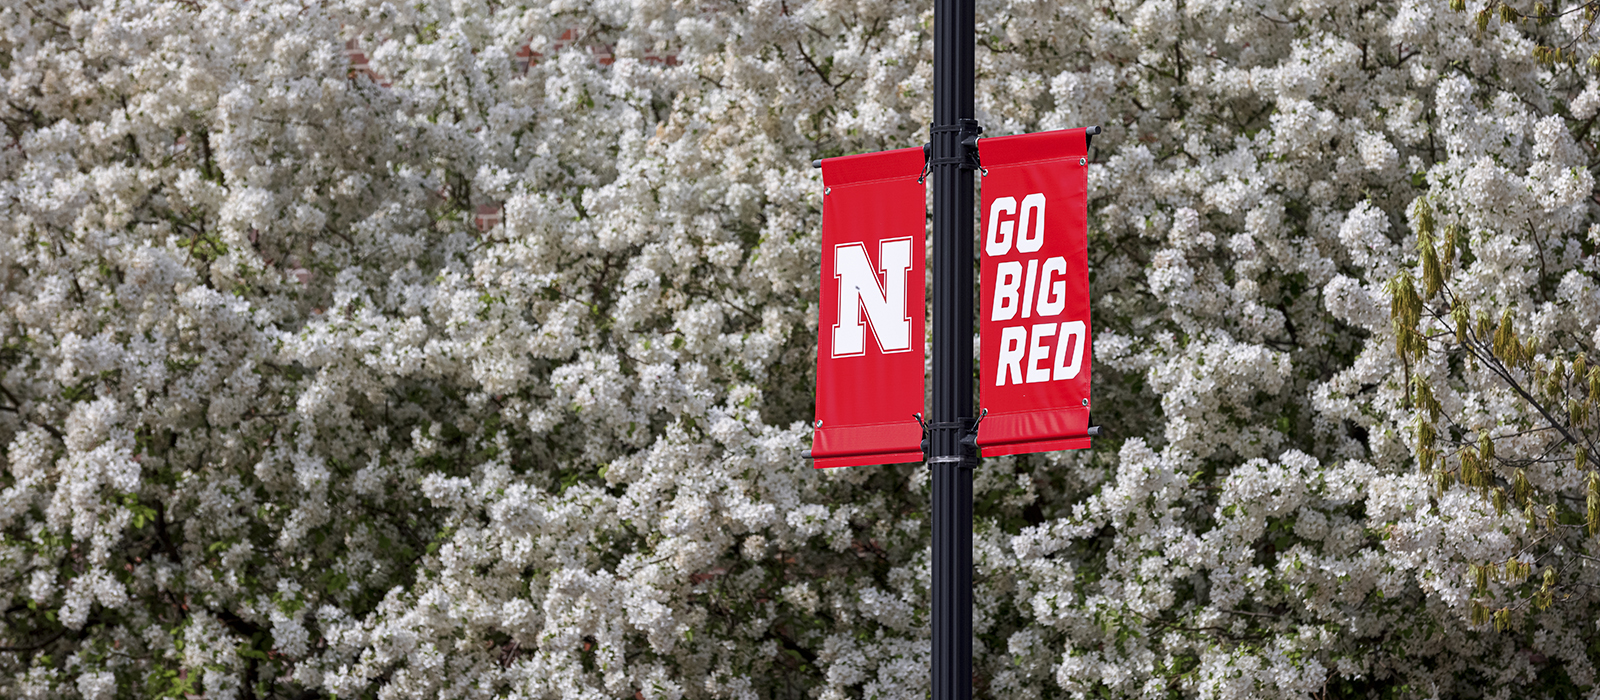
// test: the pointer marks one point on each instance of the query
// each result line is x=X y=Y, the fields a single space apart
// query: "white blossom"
x=467 y=350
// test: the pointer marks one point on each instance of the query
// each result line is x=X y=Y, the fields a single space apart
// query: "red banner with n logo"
x=1035 y=341
x=870 y=337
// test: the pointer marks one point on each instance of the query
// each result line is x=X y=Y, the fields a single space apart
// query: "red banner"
x=1035 y=341
x=870 y=341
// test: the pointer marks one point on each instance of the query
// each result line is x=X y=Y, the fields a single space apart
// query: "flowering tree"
x=1498 y=310
x=288 y=412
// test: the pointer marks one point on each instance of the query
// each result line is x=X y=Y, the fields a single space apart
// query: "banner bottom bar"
x=1017 y=448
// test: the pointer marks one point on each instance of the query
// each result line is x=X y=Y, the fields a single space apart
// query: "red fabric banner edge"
x=1038 y=426
x=867 y=459
x=1023 y=149
x=1017 y=448
x=862 y=168
x=875 y=438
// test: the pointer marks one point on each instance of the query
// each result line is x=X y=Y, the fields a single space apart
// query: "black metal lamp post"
x=952 y=452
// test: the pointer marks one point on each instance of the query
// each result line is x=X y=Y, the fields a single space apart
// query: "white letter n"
x=884 y=302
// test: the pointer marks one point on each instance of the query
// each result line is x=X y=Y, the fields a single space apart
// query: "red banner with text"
x=870 y=341
x=1034 y=285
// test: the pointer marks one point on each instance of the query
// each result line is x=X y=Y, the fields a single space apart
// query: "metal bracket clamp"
x=924 y=444
x=967 y=428
x=971 y=440
x=966 y=132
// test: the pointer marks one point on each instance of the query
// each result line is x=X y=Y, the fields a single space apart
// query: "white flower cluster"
x=286 y=412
